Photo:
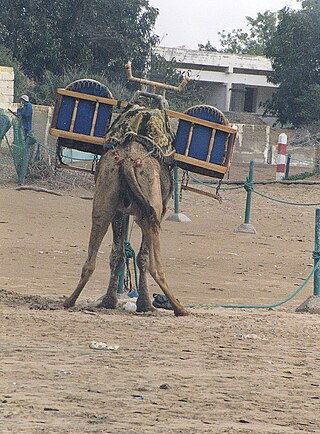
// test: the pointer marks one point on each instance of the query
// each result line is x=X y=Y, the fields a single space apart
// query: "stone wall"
x=41 y=124
x=6 y=86
x=260 y=144
x=252 y=143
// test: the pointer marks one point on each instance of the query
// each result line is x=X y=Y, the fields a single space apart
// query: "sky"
x=192 y=22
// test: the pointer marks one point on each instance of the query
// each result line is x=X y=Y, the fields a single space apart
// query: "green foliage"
x=44 y=90
x=255 y=39
x=166 y=72
x=309 y=103
x=207 y=47
x=294 y=50
x=303 y=175
x=99 y=35
x=60 y=41
x=21 y=82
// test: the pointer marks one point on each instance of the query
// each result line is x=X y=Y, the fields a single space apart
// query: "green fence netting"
x=23 y=149
x=5 y=124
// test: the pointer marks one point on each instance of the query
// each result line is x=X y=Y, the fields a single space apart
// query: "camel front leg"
x=96 y=237
x=152 y=233
x=105 y=204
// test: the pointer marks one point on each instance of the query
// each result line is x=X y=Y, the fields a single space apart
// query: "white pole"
x=281 y=159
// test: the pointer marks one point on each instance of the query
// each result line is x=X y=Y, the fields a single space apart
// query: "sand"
x=219 y=370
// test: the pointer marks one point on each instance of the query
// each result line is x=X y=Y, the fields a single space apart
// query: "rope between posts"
x=249 y=187
x=206 y=184
x=268 y=306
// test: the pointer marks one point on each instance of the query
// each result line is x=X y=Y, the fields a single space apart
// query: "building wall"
x=210 y=58
x=236 y=79
x=6 y=86
x=216 y=95
x=41 y=124
x=253 y=143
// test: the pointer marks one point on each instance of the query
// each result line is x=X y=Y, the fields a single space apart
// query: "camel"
x=129 y=180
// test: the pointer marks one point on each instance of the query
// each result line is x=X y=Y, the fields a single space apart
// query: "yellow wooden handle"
x=164 y=86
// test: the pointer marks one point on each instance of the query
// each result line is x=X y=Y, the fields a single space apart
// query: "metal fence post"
x=177 y=216
x=176 y=189
x=289 y=156
x=247 y=227
x=316 y=254
x=312 y=304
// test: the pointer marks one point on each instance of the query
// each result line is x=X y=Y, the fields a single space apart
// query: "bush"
x=22 y=84
x=45 y=90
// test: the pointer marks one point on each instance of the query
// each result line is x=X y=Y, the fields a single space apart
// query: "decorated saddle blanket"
x=148 y=126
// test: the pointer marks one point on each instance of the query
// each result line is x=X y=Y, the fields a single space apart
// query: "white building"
x=234 y=82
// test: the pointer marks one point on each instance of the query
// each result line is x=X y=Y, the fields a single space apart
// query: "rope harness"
x=184 y=186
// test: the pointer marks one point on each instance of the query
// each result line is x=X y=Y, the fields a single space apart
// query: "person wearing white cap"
x=25 y=111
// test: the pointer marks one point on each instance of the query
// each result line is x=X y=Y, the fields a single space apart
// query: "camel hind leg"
x=150 y=187
x=152 y=233
x=105 y=205
x=117 y=258
x=143 y=301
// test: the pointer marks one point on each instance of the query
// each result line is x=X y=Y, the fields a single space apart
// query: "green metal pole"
x=176 y=189
x=288 y=166
x=125 y=226
x=316 y=254
x=249 y=193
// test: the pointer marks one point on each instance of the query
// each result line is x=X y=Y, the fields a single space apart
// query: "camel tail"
x=137 y=192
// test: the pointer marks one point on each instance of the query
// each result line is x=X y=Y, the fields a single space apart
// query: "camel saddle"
x=148 y=126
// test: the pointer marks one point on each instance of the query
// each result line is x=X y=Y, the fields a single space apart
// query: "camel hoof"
x=108 y=303
x=145 y=308
x=144 y=304
x=182 y=312
x=68 y=303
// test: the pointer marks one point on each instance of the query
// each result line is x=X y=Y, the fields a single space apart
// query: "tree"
x=59 y=41
x=255 y=39
x=100 y=35
x=294 y=50
x=166 y=72
x=207 y=47
x=21 y=81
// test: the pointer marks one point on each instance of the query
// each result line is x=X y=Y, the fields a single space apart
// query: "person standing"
x=25 y=112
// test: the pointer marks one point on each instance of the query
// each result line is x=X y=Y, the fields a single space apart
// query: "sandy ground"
x=217 y=371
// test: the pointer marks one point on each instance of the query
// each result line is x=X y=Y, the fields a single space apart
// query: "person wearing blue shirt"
x=25 y=112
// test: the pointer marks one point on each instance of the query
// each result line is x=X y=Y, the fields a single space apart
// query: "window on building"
x=237 y=97
x=250 y=98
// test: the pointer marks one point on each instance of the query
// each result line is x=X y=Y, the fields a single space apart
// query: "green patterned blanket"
x=145 y=125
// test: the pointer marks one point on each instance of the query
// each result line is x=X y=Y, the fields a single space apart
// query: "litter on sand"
x=102 y=346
